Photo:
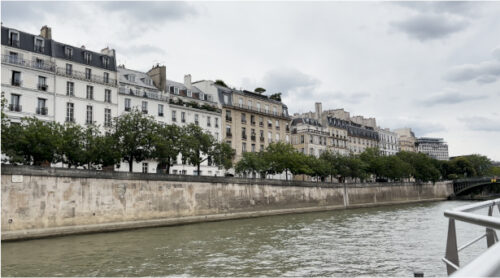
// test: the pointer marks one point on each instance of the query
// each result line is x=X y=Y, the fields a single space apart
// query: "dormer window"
x=202 y=97
x=88 y=57
x=38 y=44
x=131 y=78
x=68 y=52
x=105 y=61
x=13 y=38
x=189 y=93
x=176 y=91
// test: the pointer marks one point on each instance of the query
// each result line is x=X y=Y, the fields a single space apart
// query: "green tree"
x=372 y=158
x=319 y=168
x=280 y=158
x=222 y=155
x=166 y=145
x=480 y=163
x=260 y=90
x=197 y=146
x=72 y=147
x=134 y=133
x=462 y=167
x=276 y=96
x=251 y=162
x=356 y=167
x=107 y=152
x=331 y=162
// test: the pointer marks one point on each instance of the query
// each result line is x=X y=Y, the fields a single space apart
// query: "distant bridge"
x=461 y=185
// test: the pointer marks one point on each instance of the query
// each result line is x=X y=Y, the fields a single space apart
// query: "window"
x=287 y=138
x=16 y=78
x=302 y=139
x=13 y=38
x=107 y=95
x=258 y=106
x=226 y=99
x=131 y=77
x=228 y=116
x=15 y=101
x=144 y=167
x=243 y=147
x=88 y=57
x=106 y=77
x=277 y=137
x=176 y=90
x=261 y=147
x=38 y=45
x=266 y=108
x=275 y=112
x=183 y=117
x=90 y=92
x=42 y=107
x=70 y=86
x=261 y=121
x=240 y=103
x=269 y=124
x=216 y=122
x=262 y=135
x=69 y=69
x=189 y=93
x=228 y=131
x=68 y=52
x=217 y=136
x=107 y=117
x=243 y=133
x=243 y=118
x=174 y=119
x=39 y=63
x=269 y=136
x=160 y=110
x=202 y=96
x=196 y=122
x=70 y=112
x=90 y=118
x=127 y=104
x=105 y=61
x=42 y=83
x=88 y=74
x=277 y=124
x=208 y=121
x=145 y=107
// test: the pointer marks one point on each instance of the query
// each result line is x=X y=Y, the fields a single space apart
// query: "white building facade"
x=389 y=141
x=433 y=147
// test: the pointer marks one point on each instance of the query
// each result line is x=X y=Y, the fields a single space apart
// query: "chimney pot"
x=46 y=32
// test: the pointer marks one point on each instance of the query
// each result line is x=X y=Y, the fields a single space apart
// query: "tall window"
x=277 y=124
x=90 y=115
x=90 y=92
x=243 y=118
x=189 y=93
x=145 y=167
x=38 y=45
x=105 y=61
x=266 y=108
x=39 y=63
x=88 y=57
x=107 y=117
x=174 y=118
x=41 y=108
x=145 y=107
x=127 y=104
x=70 y=88
x=226 y=99
x=70 y=112
x=249 y=104
x=106 y=77
x=243 y=133
x=69 y=69
x=14 y=39
x=196 y=122
x=15 y=101
x=16 y=78
x=107 y=96
x=258 y=106
x=208 y=121
x=228 y=131
x=68 y=51
x=42 y=83
x=243 y=147
x=240 y=102
x=275 y=112
x=160 y=110
x=269 y=136
x=183 y=117
x=228 y=116
x=216 y=122
x=88 y=74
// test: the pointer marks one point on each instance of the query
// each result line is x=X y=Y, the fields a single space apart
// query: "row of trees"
x=369 y=165
x=132 y=137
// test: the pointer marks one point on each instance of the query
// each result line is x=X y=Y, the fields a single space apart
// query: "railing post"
x=451 y=247
x=490 y=233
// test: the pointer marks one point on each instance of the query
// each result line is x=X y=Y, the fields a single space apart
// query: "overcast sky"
x=431 y=66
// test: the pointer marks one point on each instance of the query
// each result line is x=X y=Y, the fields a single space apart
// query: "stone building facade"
x=433 y=147
x=389 y=141
x=407 y=139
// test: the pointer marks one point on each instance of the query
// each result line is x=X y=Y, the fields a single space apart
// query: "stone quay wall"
x=42 y=202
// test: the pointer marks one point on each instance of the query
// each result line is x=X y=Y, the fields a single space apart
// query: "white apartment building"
x=309 y=136
x=433 y=147
x=54 y=81
x=389 y=141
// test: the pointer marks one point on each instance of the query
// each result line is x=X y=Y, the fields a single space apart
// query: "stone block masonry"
x=41 y=202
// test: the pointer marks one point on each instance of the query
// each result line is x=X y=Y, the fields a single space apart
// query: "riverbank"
x=43 y=202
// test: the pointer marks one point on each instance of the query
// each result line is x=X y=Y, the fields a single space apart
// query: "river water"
x=382 y=241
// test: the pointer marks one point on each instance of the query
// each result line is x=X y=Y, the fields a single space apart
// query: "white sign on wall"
x=17 y=178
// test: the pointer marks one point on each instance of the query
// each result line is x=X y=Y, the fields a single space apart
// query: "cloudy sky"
x=432 y=66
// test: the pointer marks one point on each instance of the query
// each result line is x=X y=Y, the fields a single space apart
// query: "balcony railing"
x=262 y=139
x=252 y=137
x=16 y=82
x=39 y=48
x=244 y=136
x=229 y=134
x=15 y=107
x=254 y=109
x=144 y=93
x=42 y=87
x=83 y=76
x=40 y=64
x=243 y=121
x=14 y=42
x=229 y=118
x=70 y=120
x=160 y=114
x=128 y=108
x=144 y=111
x=42 y=111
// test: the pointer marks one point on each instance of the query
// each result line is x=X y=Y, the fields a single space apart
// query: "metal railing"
x=85 y=77
x=40 y=64
x=488 y=263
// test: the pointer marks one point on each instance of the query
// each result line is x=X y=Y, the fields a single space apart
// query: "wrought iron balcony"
x=262 y=139
x=42 y=111
x=252 y=137
x=39 y=48
x=14 y=42
x=42 y=87
x=229 y=118
x=144 y=111
x=36 y=64
x=15 y=107
x=83 y=76
x=70 y=120
x=16 y=82
x=256 y=110
x=128 y=109
x=160 y=114
x=229 y=134
x=139 y=93
x=244 y=136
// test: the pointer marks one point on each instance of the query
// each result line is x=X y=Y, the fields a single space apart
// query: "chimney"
x=109 y=52
x=159 y=76
x=83 y=47
x=318 y=110
x=46 y=32
x=187 y=80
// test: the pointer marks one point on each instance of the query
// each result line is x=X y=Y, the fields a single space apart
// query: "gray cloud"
x=450 y=97
x=419 y=126
x=142 y=49
x=430 y=26
x=484 y=72
x=450 y=7
x=151 y=11
x=350 y=98
x=482 y=123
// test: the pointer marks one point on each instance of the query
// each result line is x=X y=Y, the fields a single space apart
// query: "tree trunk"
x=168 y=168
x=198 y=166
x=286 y=174
x=130 y=163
